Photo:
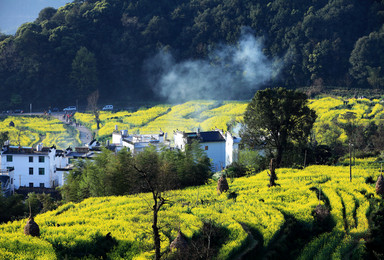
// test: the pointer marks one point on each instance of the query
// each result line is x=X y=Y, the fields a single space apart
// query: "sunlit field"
x=76 y=230
x=208 y=115
x=31 y=130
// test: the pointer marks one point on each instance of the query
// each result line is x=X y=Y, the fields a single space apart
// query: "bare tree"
x=92 y=99
x=153 y=176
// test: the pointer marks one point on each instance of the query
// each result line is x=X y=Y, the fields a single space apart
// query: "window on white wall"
x=41 y=171
x=206 y=147
x=30 y=171
x=41 y=158
x=30 y=158
x=9 y=158
x=31 y=185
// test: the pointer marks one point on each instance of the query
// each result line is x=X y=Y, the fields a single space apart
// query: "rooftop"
x=205 y=137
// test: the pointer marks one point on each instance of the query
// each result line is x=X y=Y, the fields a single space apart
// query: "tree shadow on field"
x=98 y=247
x=294 y=235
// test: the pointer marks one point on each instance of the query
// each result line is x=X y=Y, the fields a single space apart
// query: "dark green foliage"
x=115 y=174
x=97 y=247
x=376 y=227
x=40 y=64
x=4 y=136
x=236 y=170
x=40 y=203
x=253 y=161
x=16 y=207
x=276 y=119
x=204 y=245
x=12 y=208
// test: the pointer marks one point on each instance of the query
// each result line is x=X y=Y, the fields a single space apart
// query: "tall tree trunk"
x=155 y=229
x=279 y=156
x=272 y=176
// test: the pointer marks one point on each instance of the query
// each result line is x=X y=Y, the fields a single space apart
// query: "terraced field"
x=31 y=130
x=203 y=114
x=209 y=114
x=254 y=219
x=186 y=117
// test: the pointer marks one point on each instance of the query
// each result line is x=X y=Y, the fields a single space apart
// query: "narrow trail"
x=85 y=133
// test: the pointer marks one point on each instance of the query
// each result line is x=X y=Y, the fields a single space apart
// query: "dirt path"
x=85 y=133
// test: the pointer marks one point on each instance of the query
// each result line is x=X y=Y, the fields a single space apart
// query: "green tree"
x=84 y=73
x=119 y=172
x=367 y=59
x=4 y=136
x=276 y=117
x=71 y=190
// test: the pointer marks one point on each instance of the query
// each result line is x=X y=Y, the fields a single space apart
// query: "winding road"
x=85 y=133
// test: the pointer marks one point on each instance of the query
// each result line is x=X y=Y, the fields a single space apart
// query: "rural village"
x=42 y=169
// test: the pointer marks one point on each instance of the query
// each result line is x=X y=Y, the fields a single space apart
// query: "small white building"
x=221 y=148
x=6 y=182
x=137 y=143
x=33 y=168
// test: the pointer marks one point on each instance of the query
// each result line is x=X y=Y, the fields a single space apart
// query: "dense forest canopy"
x=139 y=49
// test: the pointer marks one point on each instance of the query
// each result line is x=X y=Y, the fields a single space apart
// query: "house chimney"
x=39 y=147
x=116 y=128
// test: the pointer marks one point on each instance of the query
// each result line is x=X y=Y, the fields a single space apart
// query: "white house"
x=33 y=168
x=221 y=148
x=137 y=143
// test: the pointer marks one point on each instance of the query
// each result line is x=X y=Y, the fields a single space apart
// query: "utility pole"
x=305 y=157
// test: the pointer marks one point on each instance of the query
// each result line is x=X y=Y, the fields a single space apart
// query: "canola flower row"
x=208 y=115
x=331 y=110
x=205 y=114
x=349 y=209
x=256 y=206
x=31 y=130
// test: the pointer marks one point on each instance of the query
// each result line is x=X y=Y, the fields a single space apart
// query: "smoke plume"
x=229 y=72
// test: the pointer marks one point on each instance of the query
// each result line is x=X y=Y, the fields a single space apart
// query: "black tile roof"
x=205 y=137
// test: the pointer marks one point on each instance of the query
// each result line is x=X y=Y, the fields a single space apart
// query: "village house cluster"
x=42 y=168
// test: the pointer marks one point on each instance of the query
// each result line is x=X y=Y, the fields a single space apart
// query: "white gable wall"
x=228 y=150
x=216 y=152
x=117 y=138
x=179 y=140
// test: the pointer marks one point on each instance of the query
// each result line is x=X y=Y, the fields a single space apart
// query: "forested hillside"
x=140 y=50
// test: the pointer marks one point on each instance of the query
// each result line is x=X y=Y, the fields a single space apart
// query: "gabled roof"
x=205 y=137
x=14 y=150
